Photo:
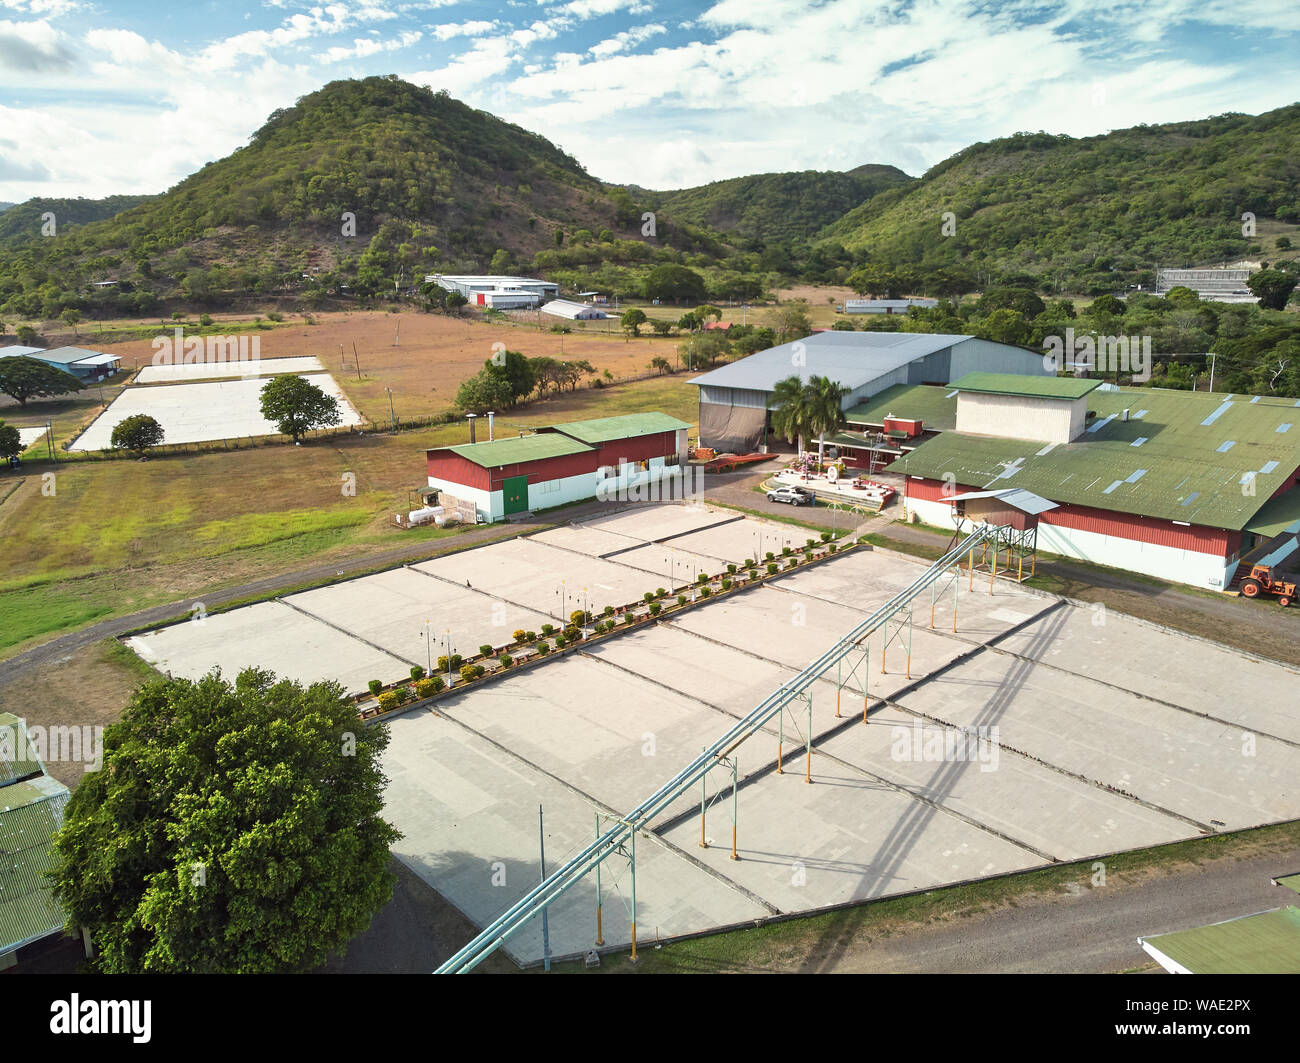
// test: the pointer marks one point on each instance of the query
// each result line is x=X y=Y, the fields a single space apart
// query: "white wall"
x=560 y=492
x=491 y=504
x=985 y=356
x=1019 y=417
x=1163 y=562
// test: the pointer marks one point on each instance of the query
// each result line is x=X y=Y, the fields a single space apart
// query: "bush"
x=771 y=568
x=731 y=569
x=705 y=592
x=417 y=672
x=519 y=635
x=446 y=665
x=769 y=555
x=827 y=536
x=628 y=619
x=425 y=688
x=726 y=584
x=388 y=700
x=681 y=599
x=702 y=579
x=609 y=610
x=809 y=542
x=275 y=315
x=205 y=320
x=548 y=629
x=655 y=607
x=573 y=633
x=649 y=596
x=505 y=660
x=438 y=683
x=792 y=563
x=530 y=636
x=785 y=551
x=560 y=642
x=485 y=650
x=404 y=694
x=467 y=672
x=543 y=648
x=375 y=686
x=660 y=592
x=747 y=563
x=578 y=617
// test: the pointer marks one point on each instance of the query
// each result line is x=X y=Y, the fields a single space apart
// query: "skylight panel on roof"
x=950 y=394
x=1284 y=428
x=1268 y=467
x=1135 y=476
x=1114 y=484
x=1226 y=446
x=1047 y=449
x=1254 y=400
x=1140 y=414
x=1191 y=498
x=1102 y=423
x=1227 y=404
x=1246 y=477
x=1138 y=442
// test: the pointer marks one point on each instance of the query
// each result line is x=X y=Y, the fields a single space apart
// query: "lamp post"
x=428 y=648
x=450 y=650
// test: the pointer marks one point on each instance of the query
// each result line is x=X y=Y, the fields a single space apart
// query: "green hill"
x=1078 y=211
x=22 y=223
x=778 y=206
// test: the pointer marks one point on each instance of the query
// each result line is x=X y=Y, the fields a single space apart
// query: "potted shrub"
x=771 y=568
x=681 y=599
x=705 y=592
x=726 y=584
x=731 y=570
x=485 y=651
x=654 y=608
x=375 y=686
x=579 y=617
x=388 y=700
x=660 y=592
x=548 y=629
x=609 y=610
x=543 y=648
x=769 y=555
x=827 y=536
x=530 y=636
x=648 y=597
x=417 y=672
x=506 y=660
x=573 y=633
x=467 y=672
x=519 y=635
x=560 y=642
x=438 y=683
x=424 y=688
x=785 y=551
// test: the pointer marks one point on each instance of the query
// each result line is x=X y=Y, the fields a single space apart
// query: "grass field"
x=118 y=536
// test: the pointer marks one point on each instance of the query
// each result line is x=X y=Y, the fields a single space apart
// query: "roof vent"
x=1124 y=416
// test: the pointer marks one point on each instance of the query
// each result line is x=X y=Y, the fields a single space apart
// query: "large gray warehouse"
x=734 y=415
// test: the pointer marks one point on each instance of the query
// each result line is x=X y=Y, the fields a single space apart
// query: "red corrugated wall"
x=1154 y=530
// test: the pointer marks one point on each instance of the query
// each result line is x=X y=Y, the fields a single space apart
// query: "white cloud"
x=448 y=30
x=627 y=39
x=365 y=46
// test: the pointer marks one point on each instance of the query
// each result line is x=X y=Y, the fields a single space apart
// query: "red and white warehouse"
x=559 y=464
x=1172 y=484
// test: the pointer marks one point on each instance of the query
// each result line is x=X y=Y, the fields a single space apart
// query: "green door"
x=515 y=491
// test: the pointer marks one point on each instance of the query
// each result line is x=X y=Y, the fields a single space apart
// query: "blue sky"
x=131 y=96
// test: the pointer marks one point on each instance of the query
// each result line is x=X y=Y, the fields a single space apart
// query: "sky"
x=130 y=96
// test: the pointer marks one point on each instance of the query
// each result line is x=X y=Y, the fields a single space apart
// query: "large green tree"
x=233 y=828
x=10 y=442
x=136 y=433
x=25 y=378
x=483 y=392
x=825 y=408
x=674 y=282
x=296 y=406
x=1272 y=287
x=516 y=370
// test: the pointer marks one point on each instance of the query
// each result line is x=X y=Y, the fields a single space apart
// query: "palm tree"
x=825 y=409
x=791 y=409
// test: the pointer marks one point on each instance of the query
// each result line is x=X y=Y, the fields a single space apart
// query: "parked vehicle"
x=1261 y=581
x=795 y=496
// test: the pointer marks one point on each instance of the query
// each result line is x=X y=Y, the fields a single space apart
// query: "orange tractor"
x=1261 y=581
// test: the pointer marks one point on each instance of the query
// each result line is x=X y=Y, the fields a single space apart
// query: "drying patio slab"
x=245 y=367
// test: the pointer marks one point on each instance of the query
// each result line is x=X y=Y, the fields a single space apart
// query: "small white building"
x=887 y=306
x=573 y=311
x=504 y=292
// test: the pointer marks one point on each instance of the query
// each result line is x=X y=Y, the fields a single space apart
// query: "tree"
x=572 y=372
x=1023 y=300
x=660 y=363
x=26 y=335
x=1107 y=304
x=500 y=262
x=790 y=321
x=73 y=318
x=674 y=282
x=295 y=406
x=825 y=409
x=792 y=412
x=455 y=300
x=1004 y=326
x=137 y=434
x=26 y=378
x=483 y=392
x=633 y=319
x=234 y=828
x=516 y=370
x=11 y=444
x=1272 y=287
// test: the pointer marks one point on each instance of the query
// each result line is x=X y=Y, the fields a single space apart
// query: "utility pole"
x=546 y=929
x=1211 y=372
x=355 y=357
x=391 y=415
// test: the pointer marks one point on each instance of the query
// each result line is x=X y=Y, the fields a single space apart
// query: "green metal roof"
x=934 y=407
x=603 y=429
x=1267 y=943
x=492 y=454
x=1291 y=882
x=17 y=759
x=31 y=813
x=1277 y=515
x=1038 y=387
x=1212 y=460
